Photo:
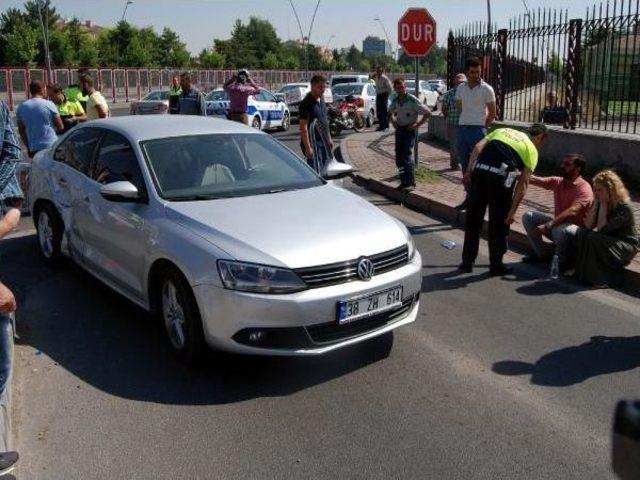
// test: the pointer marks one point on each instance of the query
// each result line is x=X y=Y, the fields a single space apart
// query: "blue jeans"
x=467 y=137
x=404 y=154
x=322 y=153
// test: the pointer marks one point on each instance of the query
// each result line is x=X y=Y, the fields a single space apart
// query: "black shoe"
x=500 y=271
x=465 y=268
x=410 y=187
x=8 y=461
x=463 y=206
x=401 y=187
x=533 y=258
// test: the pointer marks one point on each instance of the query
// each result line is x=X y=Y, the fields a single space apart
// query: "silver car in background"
x=364 y=91
x=293 y=93
x=426 y=95
x=225 y=234
x=153 y=103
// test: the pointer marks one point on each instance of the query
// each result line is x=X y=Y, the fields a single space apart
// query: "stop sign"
x=417 y=32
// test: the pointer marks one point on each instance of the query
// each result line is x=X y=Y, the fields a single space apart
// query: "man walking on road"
x=383 y=90
x=38 y=120
x=496 y=162
x=239 y=88
x=174 y=95
x=190 y=100
x=572 y=197
x=476 y=103
x=313 y=108
x=406 y=108
x=97 y=106
x=452 y=116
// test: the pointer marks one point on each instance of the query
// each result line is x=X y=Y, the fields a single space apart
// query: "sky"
x=338 y=24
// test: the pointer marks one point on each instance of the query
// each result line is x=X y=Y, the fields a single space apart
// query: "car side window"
x=78 y=150
x=268 y=97
x=116 y=161
x=260 y=97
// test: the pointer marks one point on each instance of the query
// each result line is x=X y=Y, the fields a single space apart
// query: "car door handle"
x=87 y=199
x=62 y=181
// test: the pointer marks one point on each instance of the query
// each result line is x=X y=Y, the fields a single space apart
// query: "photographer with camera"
x=239 y=88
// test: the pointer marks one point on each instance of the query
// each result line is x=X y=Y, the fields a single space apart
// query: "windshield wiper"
x=190 y=198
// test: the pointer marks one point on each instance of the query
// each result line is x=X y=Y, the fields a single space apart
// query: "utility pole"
x=45 y=37
x=124 y=13
x=305 y=39
x=489 y=17
x=126 y=5
x=386 y=34
x=309 y=39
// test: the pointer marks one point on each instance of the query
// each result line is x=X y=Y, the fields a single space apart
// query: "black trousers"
x=487 y=190
x=382 y=104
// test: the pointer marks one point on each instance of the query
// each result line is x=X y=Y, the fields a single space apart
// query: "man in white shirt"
x=476 y=103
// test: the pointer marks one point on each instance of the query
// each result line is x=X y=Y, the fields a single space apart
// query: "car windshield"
x=290 y=89
x=202 y=167
x=347 y=90
x=164 y=95
x=217 y=95
x=338 y=81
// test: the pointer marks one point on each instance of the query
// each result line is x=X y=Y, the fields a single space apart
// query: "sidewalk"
x=372 y=156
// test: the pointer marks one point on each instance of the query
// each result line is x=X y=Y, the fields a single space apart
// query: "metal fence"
x=123 y=85
x=581 y=73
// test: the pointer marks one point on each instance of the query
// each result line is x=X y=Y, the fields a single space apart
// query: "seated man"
x=572 y=197
x=553 y=113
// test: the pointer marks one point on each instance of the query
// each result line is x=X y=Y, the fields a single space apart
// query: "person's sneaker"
x=533 y=258
x=499 y=271
x=465 y=268
x=463 y=206
x=8 y=462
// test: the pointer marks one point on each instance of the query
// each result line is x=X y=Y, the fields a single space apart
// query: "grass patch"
x=621 y=108
x=426 y=175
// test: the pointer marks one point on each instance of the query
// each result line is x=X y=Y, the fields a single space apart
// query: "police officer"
x=74 y=93
x=71 y=112
x=174 y=95
x=499 y=164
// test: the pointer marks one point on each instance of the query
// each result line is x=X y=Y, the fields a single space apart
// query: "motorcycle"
x=345 y=116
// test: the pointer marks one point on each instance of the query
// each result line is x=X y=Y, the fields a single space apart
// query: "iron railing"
x=580 y=73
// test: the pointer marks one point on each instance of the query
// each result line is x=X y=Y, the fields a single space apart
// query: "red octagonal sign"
x=417 y=32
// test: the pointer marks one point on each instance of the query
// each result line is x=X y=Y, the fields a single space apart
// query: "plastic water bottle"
x=555 y=268
x=448 y=244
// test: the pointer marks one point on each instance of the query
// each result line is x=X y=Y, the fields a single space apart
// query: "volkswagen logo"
x=365 y=269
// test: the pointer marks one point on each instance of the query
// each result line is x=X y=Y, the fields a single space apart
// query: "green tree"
x=211 y=59
x=49 y=14
x=8 y=22
x=50 y=18
x=270 y=61
x=172 y=52
x=21 y=45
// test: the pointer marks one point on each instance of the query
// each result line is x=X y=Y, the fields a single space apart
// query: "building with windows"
x=374 y=46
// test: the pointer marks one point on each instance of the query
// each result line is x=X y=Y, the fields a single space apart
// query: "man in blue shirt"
x=38 y=120
x=191 y=100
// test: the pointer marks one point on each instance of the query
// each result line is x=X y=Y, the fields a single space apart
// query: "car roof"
x=361 y=84
x=147 y=127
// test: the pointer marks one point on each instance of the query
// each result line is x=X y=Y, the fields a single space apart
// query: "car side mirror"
x=334 y=170
x=120 y=192
x=626 y=440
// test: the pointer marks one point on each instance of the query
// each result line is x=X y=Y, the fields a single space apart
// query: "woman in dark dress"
x=609 y=240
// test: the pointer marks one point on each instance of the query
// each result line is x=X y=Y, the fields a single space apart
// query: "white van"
x=348 y=78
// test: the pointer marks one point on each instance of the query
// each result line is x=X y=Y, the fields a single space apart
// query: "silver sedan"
x=225 y=234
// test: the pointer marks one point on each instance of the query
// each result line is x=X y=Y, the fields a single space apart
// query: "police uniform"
x=493 y=179
x=73 y=93
x=68 y=110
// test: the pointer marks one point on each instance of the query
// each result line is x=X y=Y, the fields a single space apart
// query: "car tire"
x=256 y=123
x=286 y=123
x=49 y=231
x=180 y=316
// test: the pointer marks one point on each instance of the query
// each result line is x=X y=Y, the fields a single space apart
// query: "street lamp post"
x=45 y=37
x=126 y=5
x=124 y=13
x=386 y=34
x=305 y=39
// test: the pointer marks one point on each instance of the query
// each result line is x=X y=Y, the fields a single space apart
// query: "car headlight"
x=249 y=277
x=412 y=247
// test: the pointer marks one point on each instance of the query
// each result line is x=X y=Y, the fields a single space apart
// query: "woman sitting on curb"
x=609 y=240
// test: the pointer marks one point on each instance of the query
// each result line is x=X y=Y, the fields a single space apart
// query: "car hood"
x=301 y=228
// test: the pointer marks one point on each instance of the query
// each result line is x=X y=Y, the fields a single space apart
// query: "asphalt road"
x=498 y=379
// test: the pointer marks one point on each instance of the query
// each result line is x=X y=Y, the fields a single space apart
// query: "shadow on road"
x=571 y=365
x=118 y=348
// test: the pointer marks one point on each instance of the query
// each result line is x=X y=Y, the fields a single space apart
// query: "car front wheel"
x=181 y=317
x=49 y=228
x=286 y=123
x=256 y=123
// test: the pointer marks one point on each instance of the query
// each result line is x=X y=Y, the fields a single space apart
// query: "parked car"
x=224 y=234
x=153 y=103
x=293 y=93
x=265 y=110
x=366 y=92
x=347 y=78
x=439 y=84
x=427 y=94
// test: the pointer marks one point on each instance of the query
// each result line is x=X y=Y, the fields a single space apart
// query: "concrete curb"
x=517 y=240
